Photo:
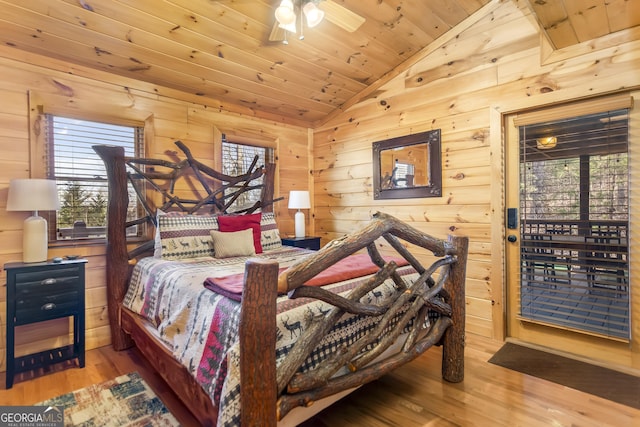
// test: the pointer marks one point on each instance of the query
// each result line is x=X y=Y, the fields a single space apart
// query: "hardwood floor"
x=412 y=396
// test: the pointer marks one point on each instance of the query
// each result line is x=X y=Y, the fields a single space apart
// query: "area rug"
x=606 y=383
x=124 y=401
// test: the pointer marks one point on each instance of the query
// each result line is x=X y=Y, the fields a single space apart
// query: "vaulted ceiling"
x=226 y=53
x=569 y=22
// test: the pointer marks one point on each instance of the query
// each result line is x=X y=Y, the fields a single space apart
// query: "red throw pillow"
x=242 y=222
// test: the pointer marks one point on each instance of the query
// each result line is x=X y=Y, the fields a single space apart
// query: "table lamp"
x=33 y=195
x=299 y=200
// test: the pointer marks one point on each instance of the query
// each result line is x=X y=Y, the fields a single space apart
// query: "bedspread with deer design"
x=200 y=327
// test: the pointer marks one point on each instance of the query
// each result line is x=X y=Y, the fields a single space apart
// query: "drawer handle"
x=48 y=281
x=48 y=306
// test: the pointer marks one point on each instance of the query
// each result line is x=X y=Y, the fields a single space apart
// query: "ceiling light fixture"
x=286 y=15
x=546 y=142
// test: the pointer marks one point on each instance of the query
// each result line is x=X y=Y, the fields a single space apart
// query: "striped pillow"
x=186 y=236
x=269 y=233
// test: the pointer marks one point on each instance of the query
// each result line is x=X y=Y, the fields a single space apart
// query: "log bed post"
x=258 y=392
x=116 y=256
x=453 y=340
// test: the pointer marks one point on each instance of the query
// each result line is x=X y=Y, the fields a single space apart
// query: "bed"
x=300 y=328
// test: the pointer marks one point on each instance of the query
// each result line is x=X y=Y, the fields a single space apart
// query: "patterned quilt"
x=201 y=327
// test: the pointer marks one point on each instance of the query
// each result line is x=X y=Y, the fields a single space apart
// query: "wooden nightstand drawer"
x=47 y=306
x=46 y=286
x=48 y=277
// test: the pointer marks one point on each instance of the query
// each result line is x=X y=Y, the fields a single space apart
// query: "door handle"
x=512 y=238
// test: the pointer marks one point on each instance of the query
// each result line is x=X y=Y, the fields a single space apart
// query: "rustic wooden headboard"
x=216 y=194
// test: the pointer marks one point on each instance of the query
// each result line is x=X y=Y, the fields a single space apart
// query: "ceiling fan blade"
x=341 y=16
x=277 y=33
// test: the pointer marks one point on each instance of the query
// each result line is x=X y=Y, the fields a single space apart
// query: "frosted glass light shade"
x=313 y=14
x=285 y=13
x=33 y=195
x=291 y=27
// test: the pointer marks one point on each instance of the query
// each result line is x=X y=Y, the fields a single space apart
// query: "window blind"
x=80 y=173
x=574 y=219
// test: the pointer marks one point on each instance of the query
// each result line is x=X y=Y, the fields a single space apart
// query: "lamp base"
x=35 y=239
x=299 y=219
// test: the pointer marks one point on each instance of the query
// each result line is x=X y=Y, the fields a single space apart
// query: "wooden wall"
x=461 y=86
x=27 y=81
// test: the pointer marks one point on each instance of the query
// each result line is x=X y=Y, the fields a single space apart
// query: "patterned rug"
x=124 y=401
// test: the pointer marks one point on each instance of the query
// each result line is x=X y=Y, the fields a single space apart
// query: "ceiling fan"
x=314 y=12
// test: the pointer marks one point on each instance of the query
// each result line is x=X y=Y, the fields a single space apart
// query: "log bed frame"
x=269 y=394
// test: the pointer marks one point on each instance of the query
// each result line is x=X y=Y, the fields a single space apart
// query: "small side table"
x=43 y=291
x=307 y=242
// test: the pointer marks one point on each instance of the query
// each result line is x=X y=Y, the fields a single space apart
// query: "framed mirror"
x=408 y=166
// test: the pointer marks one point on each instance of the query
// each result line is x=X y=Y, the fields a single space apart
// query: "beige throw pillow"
x=233 y=243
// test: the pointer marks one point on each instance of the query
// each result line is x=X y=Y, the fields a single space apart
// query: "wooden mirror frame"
x=433 y=167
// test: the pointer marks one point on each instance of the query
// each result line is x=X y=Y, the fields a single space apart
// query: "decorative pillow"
x=186 y=236
x=157 y=244
x=233 y=243
x=242 y=222
x=269 y=233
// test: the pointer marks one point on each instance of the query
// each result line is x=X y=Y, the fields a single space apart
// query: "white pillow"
x=233 y=243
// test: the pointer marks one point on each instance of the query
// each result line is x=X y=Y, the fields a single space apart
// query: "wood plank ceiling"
x=219 y=51
x=569 y=22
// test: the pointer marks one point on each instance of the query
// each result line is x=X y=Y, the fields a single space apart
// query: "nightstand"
x=43 y=291
x=307 y=242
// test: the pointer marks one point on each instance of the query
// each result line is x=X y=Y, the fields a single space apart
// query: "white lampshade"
x=299 y=200
x=313 y=14
x=33 y=195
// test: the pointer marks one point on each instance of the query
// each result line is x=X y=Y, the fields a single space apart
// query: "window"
x=236 y=160
x=81 y=176
x=404 y=173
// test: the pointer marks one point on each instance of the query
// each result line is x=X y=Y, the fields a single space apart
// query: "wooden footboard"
x=432 y=307
x=428 y=296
